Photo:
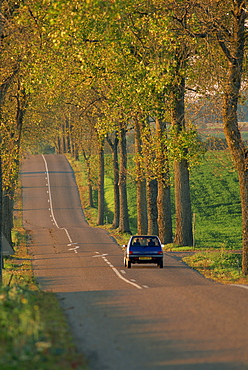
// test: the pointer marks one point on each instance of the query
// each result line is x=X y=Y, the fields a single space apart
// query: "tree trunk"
x=68 y=135
x=152 y=211
x=164 y=196
x=22 y=104
x=1 y=176
x=114 y=149
x=90 y=189
x=164 y=212
x=65 y=142
x=235 y=55
x=124 y=218
x=6 y=84
x=243 y=184
x=58 y=145
x=100 y=219
x=76 y=152
x=1 y=217
x=89 y=180
x=142 y=222
x=7 y=211
x=8 y=195
x=183 y=234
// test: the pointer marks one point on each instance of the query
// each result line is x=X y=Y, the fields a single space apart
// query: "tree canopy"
x=73 y=73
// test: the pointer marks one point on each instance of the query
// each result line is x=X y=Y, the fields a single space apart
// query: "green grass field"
x=215 y=201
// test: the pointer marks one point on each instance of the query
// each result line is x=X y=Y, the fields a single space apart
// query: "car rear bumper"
x=145 y=259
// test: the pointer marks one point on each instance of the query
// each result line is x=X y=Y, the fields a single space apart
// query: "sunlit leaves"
x=184 y=145
x=108 y=59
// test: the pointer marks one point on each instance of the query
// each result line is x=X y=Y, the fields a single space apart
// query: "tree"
x=222 y=26
x=124 y=218
x=13 y=104
x=119 y=61
x=142 y=221
x=184 y=235
x=232 y=44
x=113 y=144
x=89 y=178
x=100 y=217
x=164 y=196
x=157 y=48
x=150 y=171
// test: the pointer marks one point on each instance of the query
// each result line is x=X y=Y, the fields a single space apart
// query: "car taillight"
x=160 y=252
x=130 y=252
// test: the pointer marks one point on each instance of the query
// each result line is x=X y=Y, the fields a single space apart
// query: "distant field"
x=215 y=202
x=216 y=130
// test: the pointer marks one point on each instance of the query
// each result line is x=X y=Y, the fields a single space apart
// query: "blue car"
x=143 y=249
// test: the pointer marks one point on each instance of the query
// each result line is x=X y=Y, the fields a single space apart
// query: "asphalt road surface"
x=126 y=319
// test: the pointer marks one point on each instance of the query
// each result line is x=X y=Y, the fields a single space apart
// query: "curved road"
x=138 y=318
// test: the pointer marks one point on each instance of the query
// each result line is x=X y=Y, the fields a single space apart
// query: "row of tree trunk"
x=154 y=215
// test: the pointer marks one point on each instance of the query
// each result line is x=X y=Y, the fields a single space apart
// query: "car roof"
x=144 y=236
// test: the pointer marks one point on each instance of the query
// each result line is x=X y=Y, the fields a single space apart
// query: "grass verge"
x=222 y=266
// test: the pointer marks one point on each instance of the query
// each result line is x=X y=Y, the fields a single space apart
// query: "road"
x=138 y=318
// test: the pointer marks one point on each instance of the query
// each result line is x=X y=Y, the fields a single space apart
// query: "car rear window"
x=145 y=243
